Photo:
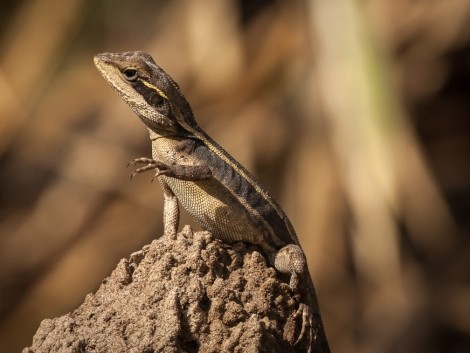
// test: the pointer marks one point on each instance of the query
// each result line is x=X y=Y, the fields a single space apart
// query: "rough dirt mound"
x=189 y=294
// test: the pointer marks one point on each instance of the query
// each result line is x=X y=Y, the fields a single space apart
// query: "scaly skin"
x=216 y=190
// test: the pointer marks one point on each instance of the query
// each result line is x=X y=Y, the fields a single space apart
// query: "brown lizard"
x=209 y=183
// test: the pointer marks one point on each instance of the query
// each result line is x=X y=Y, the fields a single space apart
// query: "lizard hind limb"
x=290 y=260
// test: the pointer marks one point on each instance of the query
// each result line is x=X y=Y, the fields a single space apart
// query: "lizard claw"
x=307 y=325
x=142 y=169
x=143 y=160
x=161 y=168
x=160 y=172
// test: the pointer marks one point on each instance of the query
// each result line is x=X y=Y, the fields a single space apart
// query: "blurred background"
x=354 y=114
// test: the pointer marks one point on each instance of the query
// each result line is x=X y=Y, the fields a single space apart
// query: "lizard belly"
x=216 y=210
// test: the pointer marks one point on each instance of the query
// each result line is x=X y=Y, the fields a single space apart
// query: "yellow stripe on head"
x=155 y=88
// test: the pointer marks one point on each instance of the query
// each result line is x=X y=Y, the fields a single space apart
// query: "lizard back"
x=228 y=204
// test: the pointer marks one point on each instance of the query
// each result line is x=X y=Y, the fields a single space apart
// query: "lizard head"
x=151 y=93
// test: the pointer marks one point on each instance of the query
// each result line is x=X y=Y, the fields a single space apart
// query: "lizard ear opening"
x=130 y=74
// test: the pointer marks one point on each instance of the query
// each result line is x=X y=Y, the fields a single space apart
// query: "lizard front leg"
x=180 y=171
x=183 y=172
x=171 y=211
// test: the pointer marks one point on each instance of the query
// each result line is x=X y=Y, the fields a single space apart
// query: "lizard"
x=216 y=190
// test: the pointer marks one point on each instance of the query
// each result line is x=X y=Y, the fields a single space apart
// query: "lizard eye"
x=130 y=74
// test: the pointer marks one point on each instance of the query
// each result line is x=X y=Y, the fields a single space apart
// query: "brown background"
x=353 y=113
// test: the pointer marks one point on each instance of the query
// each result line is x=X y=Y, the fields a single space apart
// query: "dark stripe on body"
x=243 y=189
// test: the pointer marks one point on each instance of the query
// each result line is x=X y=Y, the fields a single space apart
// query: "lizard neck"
x=154 y=135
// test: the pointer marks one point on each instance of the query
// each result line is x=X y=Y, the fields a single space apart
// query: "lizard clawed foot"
x=307 y=325
x=161 y=168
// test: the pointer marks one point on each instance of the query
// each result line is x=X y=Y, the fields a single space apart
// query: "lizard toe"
x=306 y=330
